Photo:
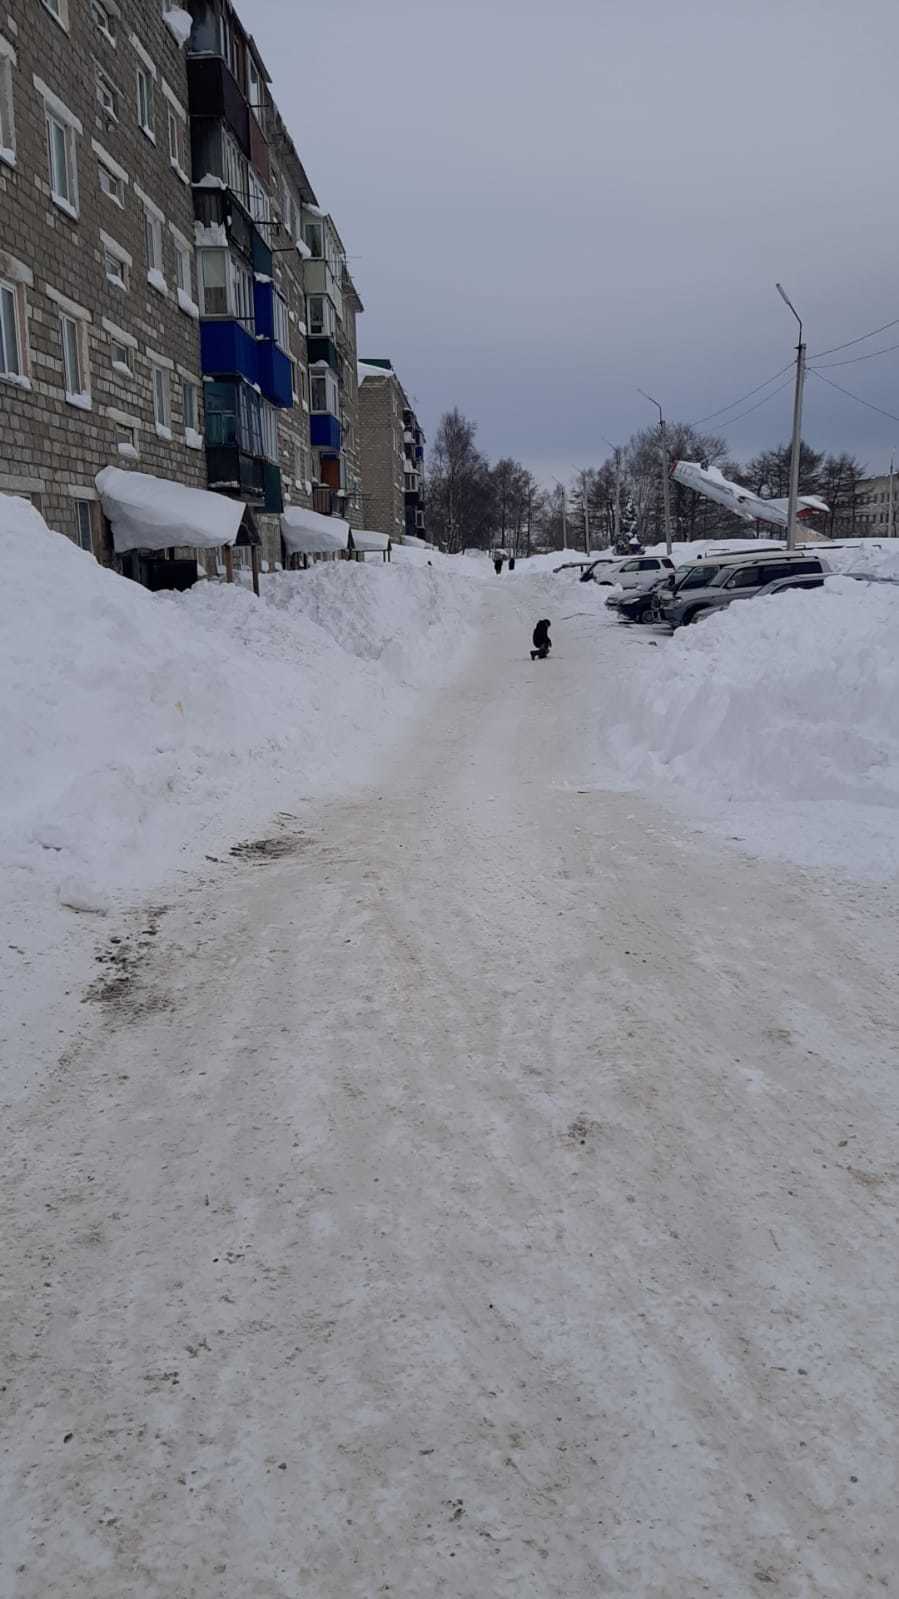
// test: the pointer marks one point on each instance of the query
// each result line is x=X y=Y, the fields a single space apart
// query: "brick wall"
x=54 y=446
x=381 y=433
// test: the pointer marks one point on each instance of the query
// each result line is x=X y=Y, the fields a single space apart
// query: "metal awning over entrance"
x=309 y=533
x=152 y=513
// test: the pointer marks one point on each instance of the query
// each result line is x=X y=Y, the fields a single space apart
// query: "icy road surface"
x=487 y=1188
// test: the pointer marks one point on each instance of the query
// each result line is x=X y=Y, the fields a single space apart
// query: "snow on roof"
x=368 y=541
x=151 y=513
x=309 y=533
x=366 y=370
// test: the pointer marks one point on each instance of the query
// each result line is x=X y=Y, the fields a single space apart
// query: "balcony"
x=226 y=348
x=319 y=279
x=275 y=374
x=322 y=349
x=213 y=92
x=261 y=253
x=220 y=216
x=323 y=499
x=419 y=452
x=324 y=431
x=231 y=471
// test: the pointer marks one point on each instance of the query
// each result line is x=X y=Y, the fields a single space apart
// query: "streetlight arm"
x=788 y=302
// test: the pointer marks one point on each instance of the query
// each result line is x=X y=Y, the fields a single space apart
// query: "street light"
x=666 y=489
x=793 y=502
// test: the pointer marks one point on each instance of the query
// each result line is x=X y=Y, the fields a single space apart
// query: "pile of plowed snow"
x=779 y=718
x=140 y=730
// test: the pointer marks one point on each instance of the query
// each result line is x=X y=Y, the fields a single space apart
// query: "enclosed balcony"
x=273 y=344
x=213 y=92
x=230 y=471
x=324 y=431
x=271 y=487
x=323 y=350
x=228 y=350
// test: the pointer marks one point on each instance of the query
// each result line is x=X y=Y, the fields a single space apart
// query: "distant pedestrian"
x=511 y=563
x=541 y=640
x=497 y=565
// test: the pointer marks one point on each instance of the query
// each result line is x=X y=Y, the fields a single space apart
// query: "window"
x=63 y=169
x=321 y=316
x=145 y=103
x=112 y=185
x=7 y=120
x=323 y=386
x=126 y=440
x=177 y=141
x=213 y=272
x=121 y=358
x=281 y=322
x=59 y=10
x=259 y=204
x=116 y=263
x=104 y=20
x=191 y=407
x=162 y=401
x=314 y=238
x=250 y=420
x=234 y=167
x=108 y=96
x=84 y=525
x=182 y=269
x=302 y=386
x=746 y=577
x=269 y=432
x=74 y=359
x=242 y=292
x=254 y=84
x=11 y=354
x=153 y=238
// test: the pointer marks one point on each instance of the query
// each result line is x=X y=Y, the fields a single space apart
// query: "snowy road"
x=492 y=1193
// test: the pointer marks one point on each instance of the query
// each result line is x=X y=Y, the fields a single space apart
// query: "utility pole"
x=793 y=502
x=561 y=487
x=584 y=477
x=666 y=486
x=891 y=525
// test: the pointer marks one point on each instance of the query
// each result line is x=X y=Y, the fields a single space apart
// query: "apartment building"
x=392 y=453
x=871 y=517
x=162 y=255
x=98 y=294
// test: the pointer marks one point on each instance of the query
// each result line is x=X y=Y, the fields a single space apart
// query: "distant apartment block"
x=173 y=299
x=872 y=507
x=392 y=453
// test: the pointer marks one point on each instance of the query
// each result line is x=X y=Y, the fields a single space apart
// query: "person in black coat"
x=541 y=640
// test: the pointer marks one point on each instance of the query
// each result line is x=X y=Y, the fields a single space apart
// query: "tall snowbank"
x=141 y=730
x=780 y=719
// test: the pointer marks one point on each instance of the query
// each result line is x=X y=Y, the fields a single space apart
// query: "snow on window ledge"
x=125 y=371
x=179 y=23
x=301 y=328
x=116 y=283
x=7 y=156
x=148 y=133
x=18 y=379
x=128 y=452
x=162 y=432
x=82 y=400
x=178 y=169
x=303 y=250
x=157 y=281
x=210 y=181
x=193 y=439
x=187 y=305
x=64 y=204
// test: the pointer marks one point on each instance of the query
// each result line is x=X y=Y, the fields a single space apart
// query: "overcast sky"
x=547 y=203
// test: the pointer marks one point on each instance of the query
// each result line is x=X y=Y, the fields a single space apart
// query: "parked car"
x=747 y=578
x=648 y=604
x=637 y=572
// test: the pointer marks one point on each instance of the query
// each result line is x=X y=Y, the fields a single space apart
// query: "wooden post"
x=229 y=564
x=254 y=562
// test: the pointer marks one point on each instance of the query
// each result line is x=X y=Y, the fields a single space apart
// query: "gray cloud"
x=547 y=205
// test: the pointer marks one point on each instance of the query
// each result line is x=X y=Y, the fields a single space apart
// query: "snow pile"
x=140 y=731
x=780 y=719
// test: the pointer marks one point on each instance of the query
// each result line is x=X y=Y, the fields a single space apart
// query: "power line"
x=764 y=401
x=830 y=383
x=860 y=340
x=853 y=359
x=742 y=397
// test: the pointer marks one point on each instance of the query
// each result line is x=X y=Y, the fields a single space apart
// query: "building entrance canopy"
x=151 y=513
x=309 y=533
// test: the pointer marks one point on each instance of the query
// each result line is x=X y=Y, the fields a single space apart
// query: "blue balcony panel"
x=226 y=348
x=324 y=431
x=263 y=295
x=275 y=376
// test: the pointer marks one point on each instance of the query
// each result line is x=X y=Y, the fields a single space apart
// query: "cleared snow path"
x=489 y=1189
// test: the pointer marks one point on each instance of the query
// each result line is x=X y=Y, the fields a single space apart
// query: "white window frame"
x=176 y=134
x=189 y=387
x=116 y=256
x=59 y=11
x=183 y=270
x=121 y=357
x=280 y=322
x=106 y=88
x=111 y=185
x=104 y=19
x=254 y=84
x=58 y=118
x=161 y=384
x=269 y=429
x=79 y=501
x=146 y=104
x=323 y=374
x=8 y=60
x=153 y=248
x=14 y=294
x=74 y=342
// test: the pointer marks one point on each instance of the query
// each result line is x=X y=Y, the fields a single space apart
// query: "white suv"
x=636 y=572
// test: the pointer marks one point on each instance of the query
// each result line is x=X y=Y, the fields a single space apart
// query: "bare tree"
x=459 y=486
